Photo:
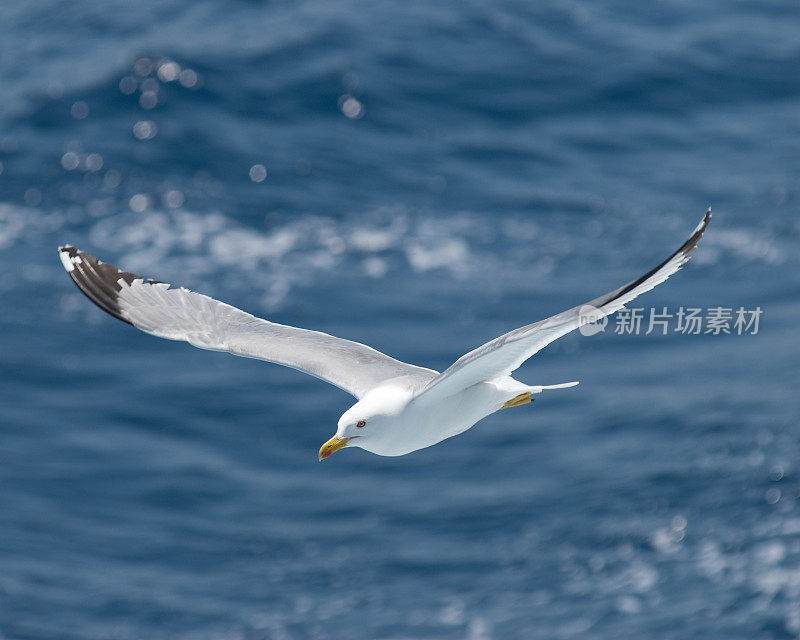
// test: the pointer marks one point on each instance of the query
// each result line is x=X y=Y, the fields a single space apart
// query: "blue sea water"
x=421 y=177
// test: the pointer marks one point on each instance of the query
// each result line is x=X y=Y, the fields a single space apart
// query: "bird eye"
x=361 y=423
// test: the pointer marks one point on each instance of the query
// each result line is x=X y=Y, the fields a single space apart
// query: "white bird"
x=401 y=407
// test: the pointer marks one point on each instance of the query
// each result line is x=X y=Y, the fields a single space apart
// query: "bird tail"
x=543 y=387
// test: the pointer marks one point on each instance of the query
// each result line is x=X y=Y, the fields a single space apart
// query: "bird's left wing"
x=503 y=355
x=180 y=314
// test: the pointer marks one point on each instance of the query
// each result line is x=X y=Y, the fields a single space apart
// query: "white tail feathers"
x=542 y=387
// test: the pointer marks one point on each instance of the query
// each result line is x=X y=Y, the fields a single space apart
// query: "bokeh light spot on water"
x=351 y=107
x=145 y=129
x=189 y=79
x=776 y=473
x=258 y=173
x=174 y=198
x=70 y=160
x=139 y=202
x=112 y=179
x=150 y=84
x=128 y=85
x=94 y=162
x=143 y=66
x=168 y=71
x=79 y=110
x=148 y=99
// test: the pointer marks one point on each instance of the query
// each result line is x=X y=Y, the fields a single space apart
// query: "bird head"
x=369 y=420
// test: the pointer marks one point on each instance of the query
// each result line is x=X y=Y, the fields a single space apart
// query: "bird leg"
x=523 y=398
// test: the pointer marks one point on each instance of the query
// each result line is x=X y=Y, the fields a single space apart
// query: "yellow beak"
x=332 y=445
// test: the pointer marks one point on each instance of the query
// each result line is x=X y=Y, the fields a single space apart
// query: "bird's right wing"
x=180 y=314
x=503 y=355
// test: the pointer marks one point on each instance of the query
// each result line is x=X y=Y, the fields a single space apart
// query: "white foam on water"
x=206 y=250
x=276 y=259
x=17 y=223
x=749 y=245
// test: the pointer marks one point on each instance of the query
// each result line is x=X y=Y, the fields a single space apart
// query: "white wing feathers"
x=503 y=355
x=180 y=314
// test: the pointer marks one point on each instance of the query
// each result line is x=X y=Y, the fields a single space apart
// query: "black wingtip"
x=100 y=282
x=684 y=252
x=691 y=244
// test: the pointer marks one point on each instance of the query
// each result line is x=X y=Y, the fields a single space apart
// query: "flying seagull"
x=401 y=407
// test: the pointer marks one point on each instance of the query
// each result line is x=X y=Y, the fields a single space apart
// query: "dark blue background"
x=508 y=160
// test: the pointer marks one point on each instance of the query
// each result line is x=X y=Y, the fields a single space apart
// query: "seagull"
x=400 y=407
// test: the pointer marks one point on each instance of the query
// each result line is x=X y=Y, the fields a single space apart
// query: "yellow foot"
x=523 y=398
